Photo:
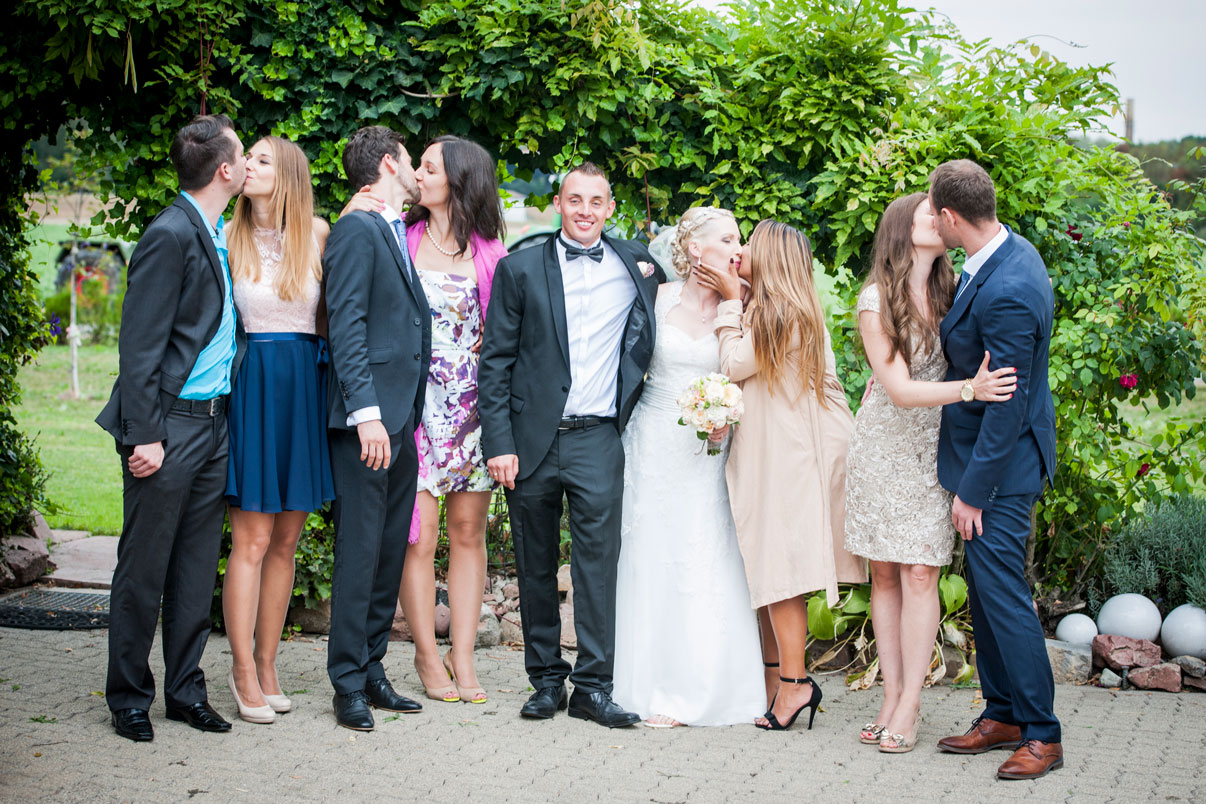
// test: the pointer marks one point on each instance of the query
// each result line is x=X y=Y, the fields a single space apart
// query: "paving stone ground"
x=56 y=745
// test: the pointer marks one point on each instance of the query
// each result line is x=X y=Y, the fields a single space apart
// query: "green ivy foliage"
x=817 y=112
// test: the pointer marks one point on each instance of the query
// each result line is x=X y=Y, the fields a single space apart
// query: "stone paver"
x=1120 y=747
x=85 y=562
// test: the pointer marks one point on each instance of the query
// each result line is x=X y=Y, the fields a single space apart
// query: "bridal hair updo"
x=694 y=223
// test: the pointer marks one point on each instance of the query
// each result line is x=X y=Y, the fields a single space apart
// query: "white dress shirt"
x=373 y=412
x=598 y=297
x=974 y=262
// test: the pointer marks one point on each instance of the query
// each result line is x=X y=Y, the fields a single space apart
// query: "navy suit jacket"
x=986 y=449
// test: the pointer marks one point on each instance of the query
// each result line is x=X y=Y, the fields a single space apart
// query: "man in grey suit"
x=564 y=355
x=380 y=343
x=178 y=349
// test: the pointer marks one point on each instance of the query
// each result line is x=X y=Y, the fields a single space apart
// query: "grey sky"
x=1157 y=48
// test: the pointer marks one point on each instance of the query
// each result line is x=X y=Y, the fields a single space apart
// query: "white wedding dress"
x=686 y=639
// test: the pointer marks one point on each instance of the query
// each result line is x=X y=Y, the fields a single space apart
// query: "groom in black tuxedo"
x=567 y=343
x=996 y=457
x=380 y=342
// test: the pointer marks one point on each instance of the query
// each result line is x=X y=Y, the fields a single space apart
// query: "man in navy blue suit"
x=996 y=458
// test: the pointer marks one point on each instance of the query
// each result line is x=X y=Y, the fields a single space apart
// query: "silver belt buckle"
x=213 y=404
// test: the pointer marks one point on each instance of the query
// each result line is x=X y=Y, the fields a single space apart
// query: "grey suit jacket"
x=172 y=309
x=379 y=325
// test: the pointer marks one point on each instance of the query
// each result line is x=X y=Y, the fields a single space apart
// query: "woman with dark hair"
x=897 y=514
x=454 y=236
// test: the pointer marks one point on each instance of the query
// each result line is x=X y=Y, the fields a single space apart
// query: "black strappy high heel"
x=768 y=666
x=813 y=702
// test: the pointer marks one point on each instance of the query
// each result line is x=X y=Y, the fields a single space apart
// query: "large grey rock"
x=1110 y=679
x=443 y=619
x=489 y=632
x=27 y=558
x=312 y=621
x=1071 y=663
x=7 y=579
x=1191 y=666
x=511 y=628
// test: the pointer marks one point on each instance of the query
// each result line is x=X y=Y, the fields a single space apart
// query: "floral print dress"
x=450 y=439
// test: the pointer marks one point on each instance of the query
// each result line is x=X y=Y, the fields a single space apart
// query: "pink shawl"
x=486 y=254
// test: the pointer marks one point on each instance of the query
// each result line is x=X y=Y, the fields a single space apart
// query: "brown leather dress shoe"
x=1032 y=760
x=984 y=735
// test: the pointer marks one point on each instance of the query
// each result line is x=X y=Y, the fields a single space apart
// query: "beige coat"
x=787 y=476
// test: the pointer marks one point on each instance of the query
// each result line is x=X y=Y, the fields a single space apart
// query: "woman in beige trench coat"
x=787 y=466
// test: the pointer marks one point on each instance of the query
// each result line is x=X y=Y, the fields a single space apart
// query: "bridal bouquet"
x=708 y=404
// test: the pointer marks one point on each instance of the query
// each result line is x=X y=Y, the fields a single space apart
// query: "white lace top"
x=260 y=308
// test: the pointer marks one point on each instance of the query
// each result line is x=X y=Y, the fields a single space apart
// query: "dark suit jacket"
x=524 y=375
x=987 y=449
x=379 y=325
x=172 y=309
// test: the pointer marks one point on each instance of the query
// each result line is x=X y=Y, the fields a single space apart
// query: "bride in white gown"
x=687 y=647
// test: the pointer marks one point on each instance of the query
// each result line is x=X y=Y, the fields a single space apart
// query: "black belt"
x=201 y=407
x=582 y=422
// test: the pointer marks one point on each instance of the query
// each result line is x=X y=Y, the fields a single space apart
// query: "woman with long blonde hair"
x=787 y=466
x=279 y=468
x=897 y=513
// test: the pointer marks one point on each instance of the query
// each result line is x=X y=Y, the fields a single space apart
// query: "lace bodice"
x=678 y=359
x=259 y=306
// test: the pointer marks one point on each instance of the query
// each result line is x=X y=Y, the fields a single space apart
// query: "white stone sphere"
x=1184 y=632
x=1130 y=615
x=1076 y=628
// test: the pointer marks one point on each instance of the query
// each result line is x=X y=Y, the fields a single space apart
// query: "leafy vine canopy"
x=816 y=112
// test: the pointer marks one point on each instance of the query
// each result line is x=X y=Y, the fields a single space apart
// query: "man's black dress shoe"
x=200 y=716
x=352 y=711
x=381 y=695
x=133 y=724
x=599 y=707
x=545 y=702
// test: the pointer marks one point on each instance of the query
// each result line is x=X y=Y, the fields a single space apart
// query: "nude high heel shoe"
x=252 y=714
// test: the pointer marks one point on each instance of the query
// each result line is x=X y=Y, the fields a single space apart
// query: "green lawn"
x=85 y=473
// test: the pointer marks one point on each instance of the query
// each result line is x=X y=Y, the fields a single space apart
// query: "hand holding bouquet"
x=710 y=404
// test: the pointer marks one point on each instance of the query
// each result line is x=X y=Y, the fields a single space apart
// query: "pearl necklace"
x=438 y=247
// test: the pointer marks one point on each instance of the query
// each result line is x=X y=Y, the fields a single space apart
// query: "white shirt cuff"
x=369 y=414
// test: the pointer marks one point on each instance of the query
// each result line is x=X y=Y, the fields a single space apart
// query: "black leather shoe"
x=133 y=724
x=200 y=716
x=381 y=695
x=545 y=702
x=599 y=707
x=352 y=711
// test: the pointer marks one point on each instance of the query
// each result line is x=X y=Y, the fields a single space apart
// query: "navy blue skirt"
x=278 y=426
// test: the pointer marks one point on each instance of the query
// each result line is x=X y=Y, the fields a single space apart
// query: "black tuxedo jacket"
x=379 y=325
x=172 y=309
x=986 y=449
x=524 y=375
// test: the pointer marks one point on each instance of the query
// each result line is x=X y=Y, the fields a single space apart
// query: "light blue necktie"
x=400 y=232
x=964 y=281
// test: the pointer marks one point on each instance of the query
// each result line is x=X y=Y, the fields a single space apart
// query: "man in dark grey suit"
x=567 y=343
x=380 y=343
x=178 y=349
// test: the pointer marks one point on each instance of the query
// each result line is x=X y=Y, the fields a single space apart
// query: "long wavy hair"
x=473 y=202
x=787 y=322
x=292 y=208
x=891 y=263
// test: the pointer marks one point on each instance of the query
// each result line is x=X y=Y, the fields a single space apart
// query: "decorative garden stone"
x=1166 y=676
x=1110 y=679
x=1119 y=652
x=1129 y=615
x=1076 y=628
x=1191 y=666
x=1071 y=662
x=1184 y=632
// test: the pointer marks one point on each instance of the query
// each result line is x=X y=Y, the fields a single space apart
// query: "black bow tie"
x=573 y=252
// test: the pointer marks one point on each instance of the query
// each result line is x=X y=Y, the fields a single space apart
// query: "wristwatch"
x=967 y=393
